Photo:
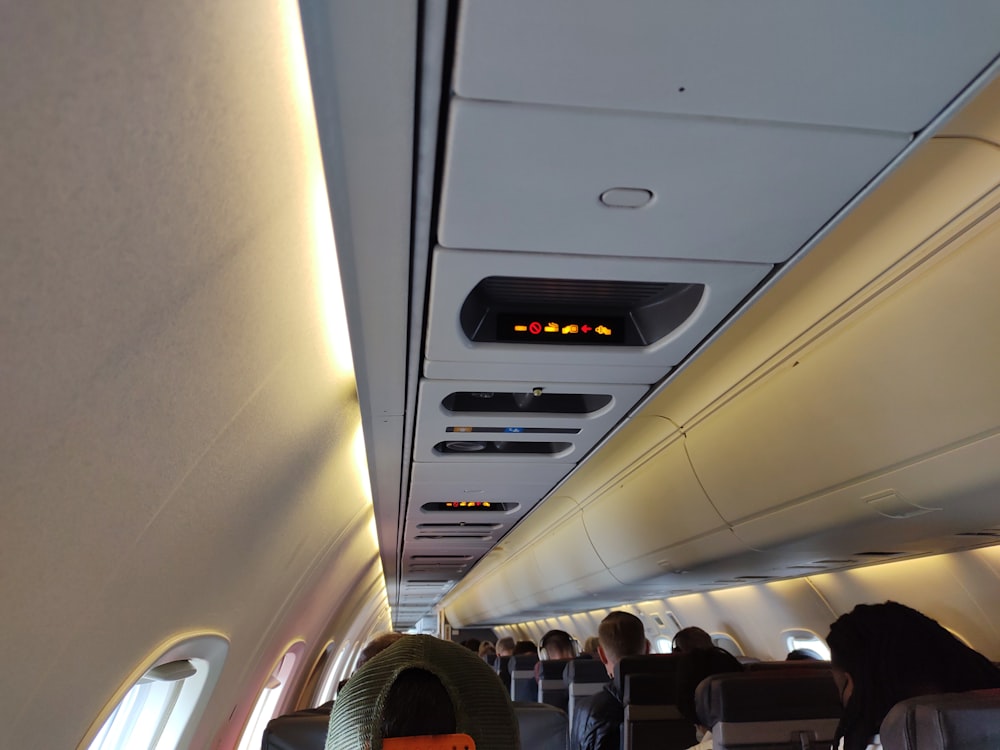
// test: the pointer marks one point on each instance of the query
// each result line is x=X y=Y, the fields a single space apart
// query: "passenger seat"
x=542 y=727
x=953 y=721
x=792 y=710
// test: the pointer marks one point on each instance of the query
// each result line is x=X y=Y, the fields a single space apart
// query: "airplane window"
x=663 y=645
x=267 y=701
x=727 y=643
x=806 y=640
x=328 y=678
x=159 y=710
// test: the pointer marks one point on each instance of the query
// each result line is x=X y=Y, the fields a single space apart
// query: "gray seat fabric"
x=551 y=688
x=785 y=666
x=303 y=730
x=583 y=677
x=953 y=721
x=542 y=727
x=522 y=677
x=799 y=708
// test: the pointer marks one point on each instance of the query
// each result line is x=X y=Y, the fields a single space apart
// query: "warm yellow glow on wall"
x=329 y=289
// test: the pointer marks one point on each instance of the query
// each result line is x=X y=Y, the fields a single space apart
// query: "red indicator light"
x=535 y=327
x=585 y=328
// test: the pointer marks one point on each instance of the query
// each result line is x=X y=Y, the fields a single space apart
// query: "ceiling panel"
x=890 y=65
x=531 y=178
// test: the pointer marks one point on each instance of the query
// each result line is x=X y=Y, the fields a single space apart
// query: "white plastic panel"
x=953 y=487
x=530 y=178
x=913 y=371
x=456 y=273
x=890 y=65
x=433 y=419
x=658 y=504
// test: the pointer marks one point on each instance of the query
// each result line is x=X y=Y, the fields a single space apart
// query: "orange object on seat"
x=430 y=742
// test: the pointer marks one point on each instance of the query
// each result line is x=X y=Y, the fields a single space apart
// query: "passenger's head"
x=524 y=647
x=884 y=653
x=590 y=646
x=620 y=634
x=693 y=667
x=689 y=639
x=486 y=649
x=505 y=646
x=422 y=685
x=376 y=645
x=472 y=644
x=803 y=654
x=557 y=644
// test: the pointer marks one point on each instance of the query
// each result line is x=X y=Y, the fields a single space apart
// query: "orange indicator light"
x=552 y=328
x=572 y=328
x=603 y=330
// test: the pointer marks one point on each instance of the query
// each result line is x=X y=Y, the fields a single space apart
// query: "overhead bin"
x=530 y=178
x=639 y=524
x=562 y=316
x=864 y=393
x=483 y=413
x=890 y=65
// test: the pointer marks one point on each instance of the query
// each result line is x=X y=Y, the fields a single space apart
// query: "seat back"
x=953 y=721
x=790 y=710
x=652 y=721
x=551 y=688
x=522 y=678
x=785 y=666
x=542 y=727
x=582 y=677
x=645 y=664
x=502 y=667
x=303 y=730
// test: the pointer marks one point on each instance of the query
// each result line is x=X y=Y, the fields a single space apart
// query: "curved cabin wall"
x=870 y=367
x=179 y=439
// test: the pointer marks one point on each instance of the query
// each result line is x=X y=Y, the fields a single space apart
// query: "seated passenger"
x=524 y=647
x=505 y=646
x=423 y=686
x=590 y=647
x=597 y=725
x=884 y=653
x=692 y=667
x=803 y=654
x=690 y=638
x=557 y=644
x=487 y=652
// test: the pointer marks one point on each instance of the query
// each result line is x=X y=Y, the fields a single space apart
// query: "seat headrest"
x=542 y=727
x=767 y=696
x=644 y=664
x=585 y=670
x=951 y=721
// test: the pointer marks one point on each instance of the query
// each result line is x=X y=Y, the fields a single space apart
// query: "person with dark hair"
x=689 y=639
x=885 y=653
x=692 y=667
x=597 y=724
x=421 y=686
x=803 y=654
x=472 y=644
x=524 y=647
